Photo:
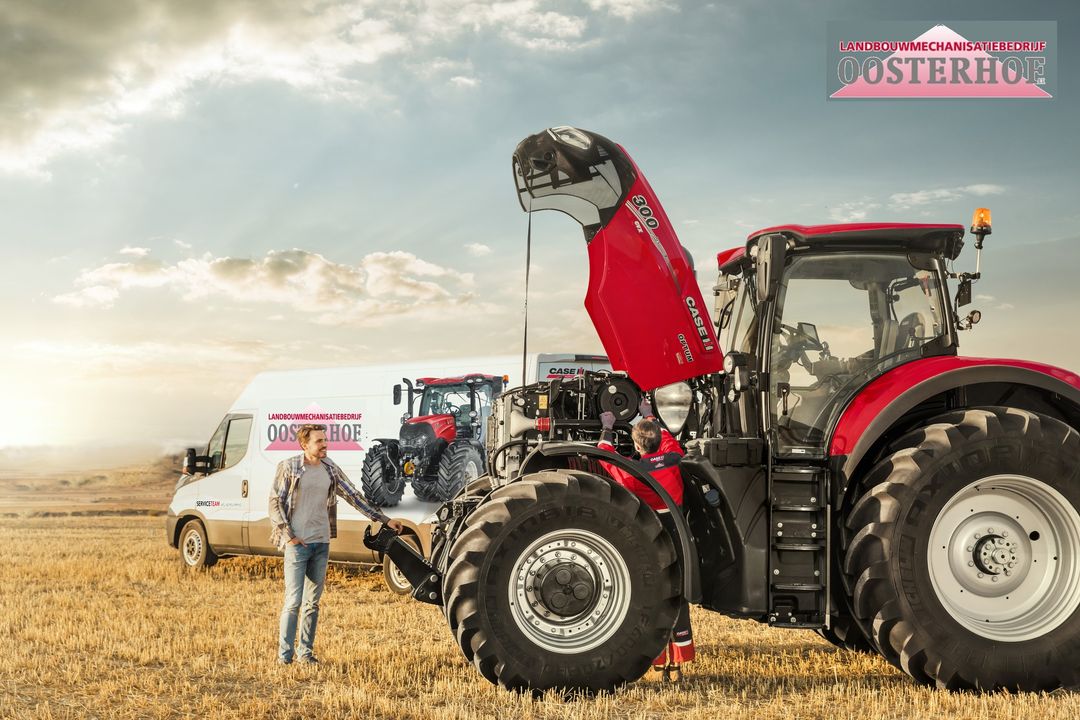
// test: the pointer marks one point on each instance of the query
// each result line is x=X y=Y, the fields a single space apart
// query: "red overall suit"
x=663 y=465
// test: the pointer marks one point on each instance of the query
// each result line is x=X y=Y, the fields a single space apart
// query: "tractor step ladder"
x=799 y=546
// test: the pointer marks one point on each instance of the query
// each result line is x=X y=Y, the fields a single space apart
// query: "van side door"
x=224 y=493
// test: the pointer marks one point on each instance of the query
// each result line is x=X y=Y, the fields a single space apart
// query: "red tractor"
x=437 y=451
x=847 y=471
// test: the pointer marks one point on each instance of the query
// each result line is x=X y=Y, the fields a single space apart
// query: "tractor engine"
x=564 y=409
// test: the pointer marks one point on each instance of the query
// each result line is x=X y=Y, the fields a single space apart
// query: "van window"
x=216 y=449
x=229 y=443
x=236 y=441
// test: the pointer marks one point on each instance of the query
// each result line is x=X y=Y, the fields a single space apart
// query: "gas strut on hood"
x=643 y=297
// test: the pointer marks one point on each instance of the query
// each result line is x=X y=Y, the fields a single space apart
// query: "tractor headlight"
x=672 y=404
x=729 y=363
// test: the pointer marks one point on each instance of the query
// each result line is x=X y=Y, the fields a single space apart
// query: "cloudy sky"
x=195 y=190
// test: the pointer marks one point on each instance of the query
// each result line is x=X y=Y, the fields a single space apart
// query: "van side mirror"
x=771 y=251
x=189 y=462
x=397 y=394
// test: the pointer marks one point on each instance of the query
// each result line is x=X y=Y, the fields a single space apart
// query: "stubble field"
x=99 y=621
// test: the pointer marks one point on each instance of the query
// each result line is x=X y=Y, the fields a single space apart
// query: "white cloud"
x=477 y=249
x=136 y=251
x=629 y=9
x=853 y=211
x=78 y=85
x=905 y=201
x=182 y=245
x=381 y=287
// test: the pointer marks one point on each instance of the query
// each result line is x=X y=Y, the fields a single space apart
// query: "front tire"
x=195 y=551
x=562 y=580
x=378 y=479
x=963 y=558
x=460 y=464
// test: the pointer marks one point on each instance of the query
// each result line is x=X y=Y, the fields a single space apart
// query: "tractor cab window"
x=739 y=323
x=842 y=320
x=445 y=400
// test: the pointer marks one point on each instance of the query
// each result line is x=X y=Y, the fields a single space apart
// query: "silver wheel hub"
x=192 y=547
x=471 y=471
x=569 y=590
x=1002 y=558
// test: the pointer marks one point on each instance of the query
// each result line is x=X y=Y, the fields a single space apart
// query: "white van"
x=223 y=509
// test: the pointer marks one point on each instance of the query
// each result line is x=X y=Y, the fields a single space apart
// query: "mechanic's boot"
x=661 y=662
x=673 y=673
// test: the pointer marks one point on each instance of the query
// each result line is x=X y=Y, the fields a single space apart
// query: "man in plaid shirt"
x=303 y=514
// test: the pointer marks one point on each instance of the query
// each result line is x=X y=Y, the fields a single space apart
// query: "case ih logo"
x=342 y=428
x=989 y=60
x=564 y=372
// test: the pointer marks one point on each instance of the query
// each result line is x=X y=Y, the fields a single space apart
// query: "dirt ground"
x=101 y=622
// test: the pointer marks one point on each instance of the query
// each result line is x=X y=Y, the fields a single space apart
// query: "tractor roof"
x=460 y=379
x=936 y=238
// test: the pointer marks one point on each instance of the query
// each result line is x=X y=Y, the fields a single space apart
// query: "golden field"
x=99 y=621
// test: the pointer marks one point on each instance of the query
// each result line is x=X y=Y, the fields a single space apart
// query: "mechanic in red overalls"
x=660 y=453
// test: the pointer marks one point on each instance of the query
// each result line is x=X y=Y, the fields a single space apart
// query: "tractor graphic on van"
x=439 y=450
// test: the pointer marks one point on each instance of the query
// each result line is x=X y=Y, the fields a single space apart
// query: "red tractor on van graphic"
x=846 y=470
x=437 y=451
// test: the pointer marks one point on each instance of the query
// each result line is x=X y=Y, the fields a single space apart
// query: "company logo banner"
x=919 y=60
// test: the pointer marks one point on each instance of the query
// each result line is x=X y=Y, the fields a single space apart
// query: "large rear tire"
x=562 y=580
x=460 y=464
x=378 y=480
x=963 y=558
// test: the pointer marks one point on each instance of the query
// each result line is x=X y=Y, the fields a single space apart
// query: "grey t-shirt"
x=310 y=518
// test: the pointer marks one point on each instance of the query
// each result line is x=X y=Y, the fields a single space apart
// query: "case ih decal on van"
x=281 y=429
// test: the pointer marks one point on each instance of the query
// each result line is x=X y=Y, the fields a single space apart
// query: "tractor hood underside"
x=643 y=297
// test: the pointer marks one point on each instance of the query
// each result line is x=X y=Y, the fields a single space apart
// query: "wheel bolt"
x=970 y=548
x=971 y=564
x=993 y=579
x=980 y=574
x=990 y=530
x=1005 y=533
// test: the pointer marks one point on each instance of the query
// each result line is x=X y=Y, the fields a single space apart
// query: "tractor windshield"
x=841 y=320
x=446 y=400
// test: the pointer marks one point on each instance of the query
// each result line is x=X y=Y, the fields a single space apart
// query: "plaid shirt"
x=286 y=482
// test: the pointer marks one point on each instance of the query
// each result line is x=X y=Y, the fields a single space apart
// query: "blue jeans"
x=305 y=572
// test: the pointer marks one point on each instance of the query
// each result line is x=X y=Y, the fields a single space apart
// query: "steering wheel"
x=453 y=409
x=797 y=343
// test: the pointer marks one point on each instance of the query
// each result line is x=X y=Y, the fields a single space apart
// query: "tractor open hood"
x=643 y=298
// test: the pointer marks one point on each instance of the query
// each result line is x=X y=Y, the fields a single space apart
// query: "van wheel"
x=962 y=557
x=379 y=481
x=195 y=551
x=459 y=466
x=395 y=579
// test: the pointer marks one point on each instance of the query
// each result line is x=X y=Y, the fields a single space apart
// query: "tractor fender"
x=886 y=399
x=691 y=576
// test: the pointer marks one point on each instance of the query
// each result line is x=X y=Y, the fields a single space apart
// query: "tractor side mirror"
x=397 y=394
x=772 y=249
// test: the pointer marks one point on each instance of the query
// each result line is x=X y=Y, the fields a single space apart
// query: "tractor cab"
x=462 y=403
x=811 y=314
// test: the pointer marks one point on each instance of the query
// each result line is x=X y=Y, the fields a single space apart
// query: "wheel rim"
x=569 y=591
x=193 y=546
x=1002 y=558
x=398 y=577
x=472 y=471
